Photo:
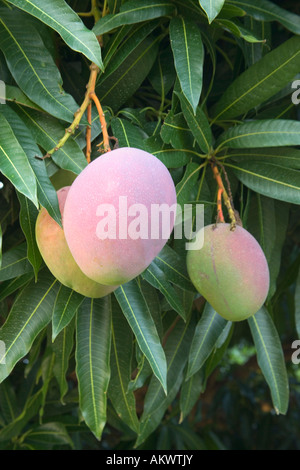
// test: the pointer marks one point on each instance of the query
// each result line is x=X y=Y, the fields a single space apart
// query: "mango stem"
x=222 y=192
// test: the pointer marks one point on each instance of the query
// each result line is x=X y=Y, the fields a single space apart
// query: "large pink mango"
x=57 y=256
x=230 y=271
x=106 y=244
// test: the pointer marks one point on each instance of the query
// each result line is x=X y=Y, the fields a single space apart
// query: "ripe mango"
x=57 y=256
x=109 y=202
x=230 y=271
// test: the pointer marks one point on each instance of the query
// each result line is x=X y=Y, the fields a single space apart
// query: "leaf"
x=133 y=12
x=135 y=309
x=171 y=158
x=260 y=81
x=46 y=194
x=47 y=436
x=268 y=11
x=62 y=348
x=31 y=408
x=66 y=305
x=188 y=51
x=8 y=402
x=32 y=65
x=120 y=85
x=212 y=8
x=270 y=358
x=173 y=266
x=156 y=403
x=28 y=214
x=261 y=133
x=297 y=305
x=15 y=263
x=269 y=180
x=11 y=285
x=198 y=124
x=208 y=330
x=239 y=31
x=59 y=16
x=121 y=358
x=15 y=95
x=156 y=277
x=47 y=131
x=190 y=392
x=14 y=163
x=31 y=312
x=187 y=183
x=93 y=340
x=283 y=156
x=128 y=134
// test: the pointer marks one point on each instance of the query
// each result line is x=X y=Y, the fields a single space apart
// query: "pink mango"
x=230 y=271
x=115 y=245
x=57 y=256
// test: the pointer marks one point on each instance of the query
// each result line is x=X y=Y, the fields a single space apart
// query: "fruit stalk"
x=225 y=196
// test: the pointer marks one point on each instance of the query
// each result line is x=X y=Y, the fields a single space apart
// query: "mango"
x=111 y=218
x=230 y=271
x=57 y=256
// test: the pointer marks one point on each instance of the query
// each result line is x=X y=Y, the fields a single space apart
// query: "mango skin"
x=57 y=256
x=125 y=172
x=230 y=271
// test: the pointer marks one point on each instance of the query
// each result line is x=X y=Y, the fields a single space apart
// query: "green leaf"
x=156 y=403
x=66 y=305
x=15 y=263
x=198 y=124
x=260 y=81
x=190 y=392
x=270 y=358
x=270 y=180
x=261 y=133
x=187 y=183
x=121 y=359
x=297 y=305
x=173 y=266
x=136 y=311
x=28 y=214
x=212 y=8
x=239 y=31
x=62 y=347
x=284 y=156
x=59 y=16
x=114 y=6
x=15 y=95
x=30 y=409
x=47 y=436
x=128 y=134
x=46 y=194
x=157 y=278
x=208 y=330
x=115 y=89
x=8 y=402
x=133 y=12
x=32 y=65
x=268 y=11
x=14 y=163
x=171 y=158
x=11 y=285
x=47 y=132
x=93 y=342
x=31 y=312
x=121 y=48
x=188 y=51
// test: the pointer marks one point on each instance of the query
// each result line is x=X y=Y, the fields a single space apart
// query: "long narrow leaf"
x=270 y=358
x=93 y=340
x=135 y=309
x=59 y=16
